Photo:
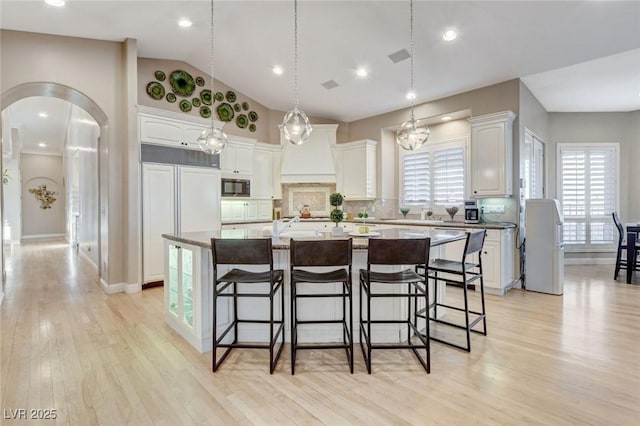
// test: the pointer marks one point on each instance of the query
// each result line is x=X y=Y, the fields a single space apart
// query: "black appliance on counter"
x=471 y=211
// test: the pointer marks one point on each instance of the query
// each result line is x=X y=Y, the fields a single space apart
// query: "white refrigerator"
x=544 y=248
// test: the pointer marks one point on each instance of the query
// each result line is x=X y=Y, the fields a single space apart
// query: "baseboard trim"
x=112 y=288
x=132 y=288
x=37 y=236
x=589 y=261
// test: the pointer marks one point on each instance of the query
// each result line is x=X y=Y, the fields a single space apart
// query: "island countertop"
x=360 y=242
x=398 y=222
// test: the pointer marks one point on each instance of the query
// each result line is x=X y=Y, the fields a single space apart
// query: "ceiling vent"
x=331 y=84
x=399 y=56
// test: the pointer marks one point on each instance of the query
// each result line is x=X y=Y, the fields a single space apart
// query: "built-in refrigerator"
x=544 y=248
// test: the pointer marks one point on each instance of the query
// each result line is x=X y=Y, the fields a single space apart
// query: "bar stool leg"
x=294 y=325
x=466 y=309
x=235 y=312
x=271 y=342
x=214 y=322
x=350 y=291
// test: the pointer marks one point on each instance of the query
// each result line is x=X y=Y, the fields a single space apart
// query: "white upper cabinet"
x=167 y=131
x=265 y=182
x=236 y=159
x=492 y=155
x=356 y=169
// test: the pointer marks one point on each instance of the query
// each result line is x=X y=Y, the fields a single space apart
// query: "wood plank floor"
x=99 y=359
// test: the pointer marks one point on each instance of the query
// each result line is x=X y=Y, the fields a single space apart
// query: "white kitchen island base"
x=189 y=302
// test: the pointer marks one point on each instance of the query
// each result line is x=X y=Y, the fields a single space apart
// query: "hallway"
x=99 y=359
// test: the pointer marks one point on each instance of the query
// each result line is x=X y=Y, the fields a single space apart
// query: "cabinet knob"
x=475 y=192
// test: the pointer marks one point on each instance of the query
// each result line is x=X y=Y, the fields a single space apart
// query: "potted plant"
x=336 y=215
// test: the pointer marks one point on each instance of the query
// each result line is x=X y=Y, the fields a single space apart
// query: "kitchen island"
x=189 y=275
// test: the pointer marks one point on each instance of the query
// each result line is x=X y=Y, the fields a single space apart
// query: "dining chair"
x=623 y=263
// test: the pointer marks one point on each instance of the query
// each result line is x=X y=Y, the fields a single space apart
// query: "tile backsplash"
x=315 y=195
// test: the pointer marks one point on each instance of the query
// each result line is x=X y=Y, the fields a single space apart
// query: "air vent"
x=399 y=56
x=331 y=84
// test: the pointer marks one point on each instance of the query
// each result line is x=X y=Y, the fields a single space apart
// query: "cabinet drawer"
x=493 y=235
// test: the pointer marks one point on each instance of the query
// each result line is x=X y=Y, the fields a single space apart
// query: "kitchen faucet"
x=279 y=226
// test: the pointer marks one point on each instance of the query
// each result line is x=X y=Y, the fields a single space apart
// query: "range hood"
x=313 y=161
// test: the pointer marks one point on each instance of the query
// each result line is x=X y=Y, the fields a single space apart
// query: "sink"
x=298 y=234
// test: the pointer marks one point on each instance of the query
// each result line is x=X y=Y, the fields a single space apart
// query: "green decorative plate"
x=155 y=90
x=237 y=107
x=182 y=83
x=171 y=98
x=231 y=96
x=185 y=105
x=200 y=81
x=219 y=97
x=160 y=76
x=205 y=112
x=225 y=112
x=253 y=116
x=196 y=102
x=252 y=127
x=245 y=106
x=205 y=95
x=242 y=121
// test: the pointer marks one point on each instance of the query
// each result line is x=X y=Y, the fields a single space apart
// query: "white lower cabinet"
x=245 y=210
x=186 y=296
x=497 y=258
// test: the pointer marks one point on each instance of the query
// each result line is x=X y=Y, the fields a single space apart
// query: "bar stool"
x=246 y=252
x=322 y=253
x=469 y=273
x=395 y=252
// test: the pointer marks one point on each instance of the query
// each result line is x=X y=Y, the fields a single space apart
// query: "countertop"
x=410 y=222
x=203 y=239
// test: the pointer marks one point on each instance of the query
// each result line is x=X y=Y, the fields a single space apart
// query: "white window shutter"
x=448 y=176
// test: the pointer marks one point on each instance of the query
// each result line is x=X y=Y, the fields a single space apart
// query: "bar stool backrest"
x=321 y=253
x=399 y=252
x=227 y=251
x=475 y=241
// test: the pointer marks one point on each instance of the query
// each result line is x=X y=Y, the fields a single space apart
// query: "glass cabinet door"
x=187 y=286
x=173 y=284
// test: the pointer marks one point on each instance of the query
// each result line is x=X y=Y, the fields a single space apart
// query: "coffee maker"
x=471 y=211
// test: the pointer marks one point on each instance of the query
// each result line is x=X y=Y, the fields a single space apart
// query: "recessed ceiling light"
x=42 y=145
x=43 y=115
x=411 y=95
x=449 y=35
x=56 y=3
x=277 y=70
x=185 y=22
x=446 y=118
x=362 y=72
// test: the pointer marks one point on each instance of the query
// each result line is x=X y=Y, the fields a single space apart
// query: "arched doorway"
x=79 y=99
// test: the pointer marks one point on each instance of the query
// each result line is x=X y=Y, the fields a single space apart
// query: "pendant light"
x=213 y=140
x=412 y=134
x=296 y=126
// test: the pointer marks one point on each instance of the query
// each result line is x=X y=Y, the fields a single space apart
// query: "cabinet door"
x=228 y=159
x=354 y=171
x=262 y=180
x=491 y=264
x=251 y=210
x=186 y=286
x=244 y=160
x=265 y=210
x=199 y=199
x=488 y=160
x=173 y=281
x=237 y=210
x=158 y=217
x=161 y=131
x=191 y=133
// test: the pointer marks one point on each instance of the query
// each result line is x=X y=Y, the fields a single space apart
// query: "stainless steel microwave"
x=236 y=187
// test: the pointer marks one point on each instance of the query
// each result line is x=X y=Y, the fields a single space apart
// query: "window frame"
x=432 y=146
x=588 y=246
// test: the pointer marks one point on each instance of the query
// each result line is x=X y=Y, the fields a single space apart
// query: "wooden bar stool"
x=468 y=273
x=396 y=252
x=322 y=253
x=246 y=252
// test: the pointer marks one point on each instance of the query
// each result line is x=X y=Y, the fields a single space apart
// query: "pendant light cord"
x=295 y=51
x=211 y=64
x=413 y=95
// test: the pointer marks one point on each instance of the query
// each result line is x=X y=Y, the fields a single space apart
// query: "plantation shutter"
x=416 y=178
x=448 y=176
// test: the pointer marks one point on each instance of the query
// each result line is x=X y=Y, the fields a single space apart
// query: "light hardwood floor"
x=100 y=359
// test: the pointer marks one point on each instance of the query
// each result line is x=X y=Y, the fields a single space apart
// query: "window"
x=588 y=191
x=533 y=170
x=433 y=176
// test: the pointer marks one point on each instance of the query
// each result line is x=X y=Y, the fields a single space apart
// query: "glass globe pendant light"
x=412 y=133
x=296 y=126
x=213 y=140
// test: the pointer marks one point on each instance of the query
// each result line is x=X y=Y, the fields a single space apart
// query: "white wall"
x=81 y=166
x=40 y=170
x=12 y=202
